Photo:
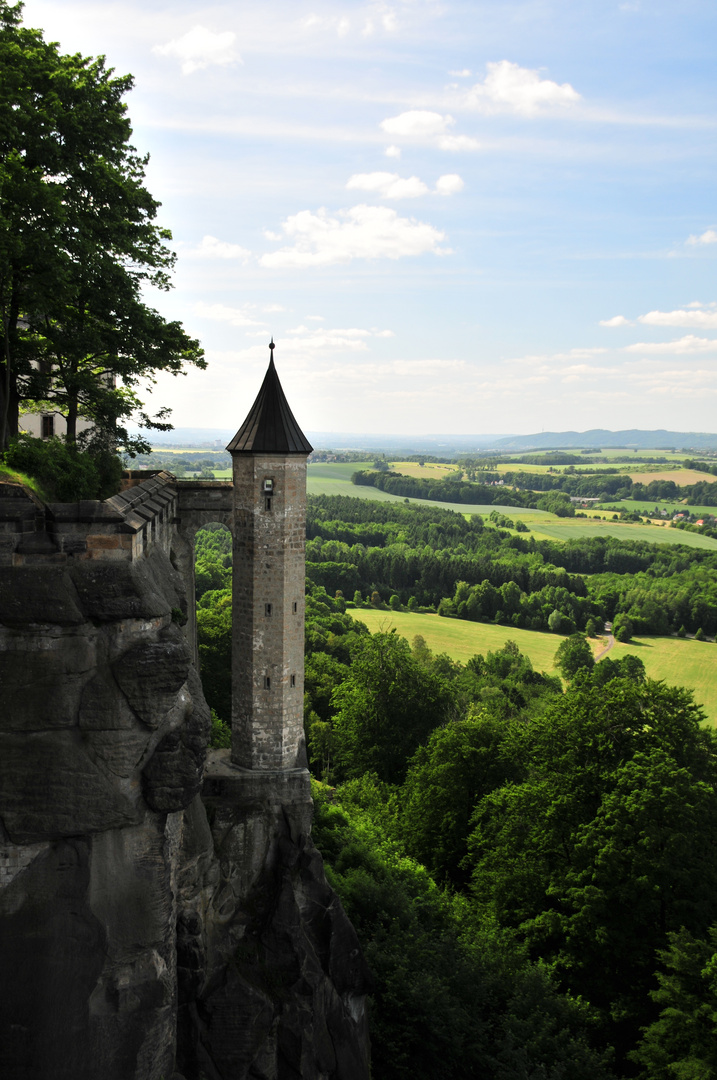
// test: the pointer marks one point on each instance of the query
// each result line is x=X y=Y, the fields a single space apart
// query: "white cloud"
x=709 y=237
x=211 y=248
x=697 y=318
x=393 y=151
x=388 y=185
x=422 y=125
x=362 y=232
x=222 y=313
x=617 y=320
x=374 y=17
x=417 y=124
x=518 y=89
x=311 y=342
x=199 y=48
x=458 y=142
x=450 y=184
x=686 y=345
x=464 y=74
x=315 y=318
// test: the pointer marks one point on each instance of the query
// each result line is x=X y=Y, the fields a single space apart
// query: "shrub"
x=66 y=473
x=221 y=734
x=622 y=628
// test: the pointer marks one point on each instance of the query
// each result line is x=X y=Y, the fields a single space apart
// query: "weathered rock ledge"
x=155 y=918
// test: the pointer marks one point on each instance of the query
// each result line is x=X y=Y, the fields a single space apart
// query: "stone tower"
x=269 y=469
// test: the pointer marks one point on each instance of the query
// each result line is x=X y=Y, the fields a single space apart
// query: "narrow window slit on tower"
x=296 y=607
x=267 y=682
x=267 y=504
x=267 y=609
x=293 y=680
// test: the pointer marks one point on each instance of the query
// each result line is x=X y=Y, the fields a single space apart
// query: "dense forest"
x=529 y=860
x=430 y=557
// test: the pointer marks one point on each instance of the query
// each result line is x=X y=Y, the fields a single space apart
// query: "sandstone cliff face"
x=136 y=915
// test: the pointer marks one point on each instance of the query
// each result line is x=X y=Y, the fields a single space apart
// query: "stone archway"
x=199 y=504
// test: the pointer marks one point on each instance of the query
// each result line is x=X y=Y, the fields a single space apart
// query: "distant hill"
x=600 y=438
x=217 y=438
x=446 y=445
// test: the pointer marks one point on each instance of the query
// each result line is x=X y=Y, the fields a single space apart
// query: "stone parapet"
x=121 y=528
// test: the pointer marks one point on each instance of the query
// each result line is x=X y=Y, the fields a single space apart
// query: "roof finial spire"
x=272 y=346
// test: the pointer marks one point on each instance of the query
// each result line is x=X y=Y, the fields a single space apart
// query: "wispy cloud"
x=199 y=48
x=319 y=239
x=508 y=86
x=417 y=124
x=450 y=184
x=223 y=313
x=708 y=237
x=617 y=320
x=210 y=247
x=687 y=345
x=426 y=126
x=696 y=317
x=388 y=185
x=392 y=186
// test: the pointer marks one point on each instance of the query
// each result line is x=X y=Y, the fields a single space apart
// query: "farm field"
x=335 y=479
x=681 y=477
x=580 y=528
x=613 y=453
x=678 y=661
x=646 y=506
x=429 y=471
x=504 y=467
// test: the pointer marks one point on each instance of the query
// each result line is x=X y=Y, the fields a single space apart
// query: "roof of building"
x=270 y=427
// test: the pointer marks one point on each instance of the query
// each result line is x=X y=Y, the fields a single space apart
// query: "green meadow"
x=552 y=528
x=677 y=661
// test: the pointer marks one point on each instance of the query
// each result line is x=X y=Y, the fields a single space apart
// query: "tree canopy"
x=79 y=243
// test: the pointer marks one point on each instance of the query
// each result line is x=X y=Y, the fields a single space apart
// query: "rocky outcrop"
x=271 y=975
x=96 y=683
x=147 y=911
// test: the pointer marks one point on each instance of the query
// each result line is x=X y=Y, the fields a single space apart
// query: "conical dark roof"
x=270 y=427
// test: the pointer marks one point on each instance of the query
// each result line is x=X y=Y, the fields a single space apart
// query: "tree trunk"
x=71 y=436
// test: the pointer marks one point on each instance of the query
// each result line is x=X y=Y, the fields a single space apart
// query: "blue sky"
x=454 y=217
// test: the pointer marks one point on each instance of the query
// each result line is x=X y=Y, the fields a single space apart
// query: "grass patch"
x=647 y=506
x=462 y=639
x=14 y=476
x=429 y=471
x=681 y=477
x=544 y=528
x=677 y=661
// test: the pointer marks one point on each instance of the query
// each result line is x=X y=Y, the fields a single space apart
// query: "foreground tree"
x=683 y=1041
x=386 y=708
x=608 y=845
x=574 y=655
x=78 y=244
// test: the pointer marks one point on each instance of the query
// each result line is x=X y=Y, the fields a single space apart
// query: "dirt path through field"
x=603 y=652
